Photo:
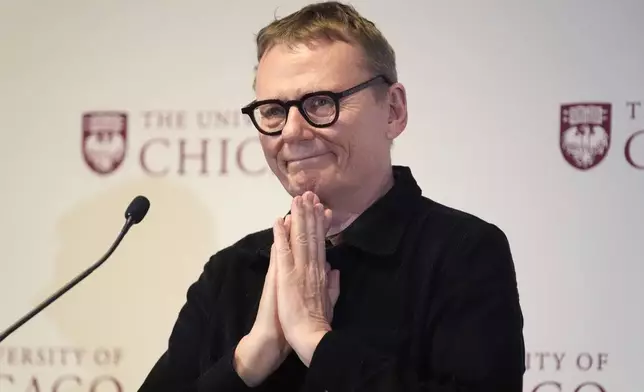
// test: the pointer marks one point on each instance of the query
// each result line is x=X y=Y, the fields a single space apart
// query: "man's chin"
x=302 y=182
x=310 y=179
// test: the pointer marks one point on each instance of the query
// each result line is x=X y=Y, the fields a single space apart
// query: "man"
x=366 y=285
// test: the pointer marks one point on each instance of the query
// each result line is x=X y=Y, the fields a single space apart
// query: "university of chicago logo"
x=104 y=140
x=585 y=133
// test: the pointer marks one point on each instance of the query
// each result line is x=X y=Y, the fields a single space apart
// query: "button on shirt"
x=428 y=302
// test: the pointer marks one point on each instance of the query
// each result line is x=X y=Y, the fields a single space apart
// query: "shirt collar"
x=379 y=229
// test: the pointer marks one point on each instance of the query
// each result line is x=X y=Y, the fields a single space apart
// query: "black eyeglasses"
x=320 y=108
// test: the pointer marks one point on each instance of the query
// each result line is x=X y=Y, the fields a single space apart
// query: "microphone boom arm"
x=126 y=227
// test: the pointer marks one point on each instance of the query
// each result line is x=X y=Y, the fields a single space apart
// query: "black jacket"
x=428 y=302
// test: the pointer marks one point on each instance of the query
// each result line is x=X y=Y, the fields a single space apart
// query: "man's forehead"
x=294 y=89
x=290 y=71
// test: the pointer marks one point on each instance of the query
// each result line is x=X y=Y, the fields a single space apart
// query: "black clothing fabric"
x=428 y=302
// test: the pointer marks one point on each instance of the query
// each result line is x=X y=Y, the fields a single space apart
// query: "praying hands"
x=300 y=291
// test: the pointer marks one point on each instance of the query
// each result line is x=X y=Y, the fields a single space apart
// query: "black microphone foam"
x=134 y=214
x=137 y=209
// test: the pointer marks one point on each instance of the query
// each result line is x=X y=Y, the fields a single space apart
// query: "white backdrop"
x=486 y=81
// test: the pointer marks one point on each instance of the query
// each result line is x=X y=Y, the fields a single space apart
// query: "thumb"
x=334 y=286
x=328 y=215
x=271 y=274
x=287 y=226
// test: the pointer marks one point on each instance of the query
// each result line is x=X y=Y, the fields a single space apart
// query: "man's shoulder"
x=244 y=251
x=443 y=213
x=464 y=247
x=451 y=224
x=258 y=241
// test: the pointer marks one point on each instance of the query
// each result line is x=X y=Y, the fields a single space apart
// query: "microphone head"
x=137 y=209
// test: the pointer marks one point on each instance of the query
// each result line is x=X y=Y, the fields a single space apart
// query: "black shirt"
x=428 y=302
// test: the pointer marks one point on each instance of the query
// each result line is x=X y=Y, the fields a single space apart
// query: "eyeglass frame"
x=298 y=103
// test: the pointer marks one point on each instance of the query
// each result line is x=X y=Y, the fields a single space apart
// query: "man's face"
x=337 y=158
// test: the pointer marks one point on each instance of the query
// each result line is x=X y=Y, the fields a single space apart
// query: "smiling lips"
x=305 y=160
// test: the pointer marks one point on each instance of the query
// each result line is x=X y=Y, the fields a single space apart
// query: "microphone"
x=134 y=214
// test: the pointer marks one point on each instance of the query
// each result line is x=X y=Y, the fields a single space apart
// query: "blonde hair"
x=332 y=21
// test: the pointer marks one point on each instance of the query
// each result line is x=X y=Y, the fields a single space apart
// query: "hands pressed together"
x=299 y=294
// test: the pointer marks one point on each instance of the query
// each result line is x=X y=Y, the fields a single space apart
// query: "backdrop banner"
x=526 y=114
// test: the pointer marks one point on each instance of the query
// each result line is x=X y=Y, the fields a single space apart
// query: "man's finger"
x=270 y=273
x=320 y=246
x=313 y=237
x=287 y=226
x=283 y=255
x=327 y=220
x=271 y=261
x=299 y=237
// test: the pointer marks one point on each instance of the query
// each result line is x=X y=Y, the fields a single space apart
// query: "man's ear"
x=397 y=102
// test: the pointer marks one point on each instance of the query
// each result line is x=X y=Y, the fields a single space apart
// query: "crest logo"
x=104 y=140
x=585 y=132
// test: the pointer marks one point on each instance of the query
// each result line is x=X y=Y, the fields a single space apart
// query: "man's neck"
x=346 y=210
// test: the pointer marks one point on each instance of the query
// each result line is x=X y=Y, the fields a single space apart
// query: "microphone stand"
x=126 y=227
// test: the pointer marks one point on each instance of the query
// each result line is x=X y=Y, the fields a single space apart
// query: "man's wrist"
x=254 y=360
x=307 y=343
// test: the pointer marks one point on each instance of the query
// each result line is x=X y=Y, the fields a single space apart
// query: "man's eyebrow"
x=299 y=92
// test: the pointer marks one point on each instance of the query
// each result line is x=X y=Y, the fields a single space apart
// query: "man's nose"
x=296 y=128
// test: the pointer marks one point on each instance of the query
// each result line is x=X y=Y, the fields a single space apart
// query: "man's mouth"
x=305 y=159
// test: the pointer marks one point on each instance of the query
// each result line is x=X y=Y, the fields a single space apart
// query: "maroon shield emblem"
x=585 y=133
x=104 y=140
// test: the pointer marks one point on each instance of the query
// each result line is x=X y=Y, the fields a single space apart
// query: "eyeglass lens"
x=320 y=110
